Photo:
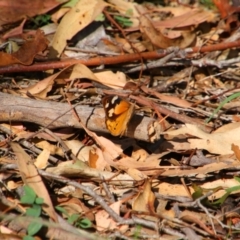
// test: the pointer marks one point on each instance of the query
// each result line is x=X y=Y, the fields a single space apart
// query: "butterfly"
x=118 y=114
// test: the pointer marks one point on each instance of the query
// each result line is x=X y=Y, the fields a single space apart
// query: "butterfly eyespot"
x=118 y=114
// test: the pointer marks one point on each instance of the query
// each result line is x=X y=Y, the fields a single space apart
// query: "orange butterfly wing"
x=118 y=114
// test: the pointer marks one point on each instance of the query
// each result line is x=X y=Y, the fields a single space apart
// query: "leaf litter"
x=174 y=173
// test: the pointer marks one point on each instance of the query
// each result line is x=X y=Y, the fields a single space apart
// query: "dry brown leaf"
x=128 y=162
x=26 y=52
x=227 y=127
x=15 y=10
x=42 y=159
x=93 y=157
x=72 y=206
x=140 y=155
x=41 y=88
x=81 y=15
x=4 y=230
x=98 y=158
x=201 y=172
x=199 y=219
x=136 y=174
x=44 y=86
x=52 y=148
x=13 y=185
x=31 y=178
x=114 y=80
x=168 y=189
x=79 y=71
x=105 y=222
x=236 y=150
x=15 y=31
x=69 y=168
x=108 y=78
x=217 y=143
x=183 y=17
x=15 y=128
x=144 y=202
x=173 y=100
x=161 y=41
x=188 y=17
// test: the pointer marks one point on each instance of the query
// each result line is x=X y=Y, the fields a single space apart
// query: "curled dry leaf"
x=183 y=17
x=144 y=202
x=41 y=88
x=114 y=80
x=108 y=78
x=26 y=52
x=159 y=40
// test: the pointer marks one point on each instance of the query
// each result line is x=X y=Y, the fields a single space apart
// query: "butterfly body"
x=118 y=114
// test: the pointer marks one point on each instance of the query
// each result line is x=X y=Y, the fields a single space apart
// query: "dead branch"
x=116 y=59
x=57 y=115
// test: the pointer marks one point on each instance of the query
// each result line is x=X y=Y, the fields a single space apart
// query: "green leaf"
x=29 y=195
x=27 y=237
x=100 y=18
x=233 y=189
x=85 y=223
x=62 y=210
x=221 y=200
x=33 y=228
x=237 y=179
x=228 y=99
x=137 y=232
x=198 y=191
x=39 y=200
x=208 y=4
x=73 y=218
x=225 y=196
x=34 y=211
x=124 y=21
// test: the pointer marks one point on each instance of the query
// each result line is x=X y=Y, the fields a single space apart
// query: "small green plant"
x=207 y=3
x=228 y=192
x=75 y=219
x=34 y=210
x=137 y=232
x=124 y=21
x=199 y=191
x=39 y=21
x=228 y=99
